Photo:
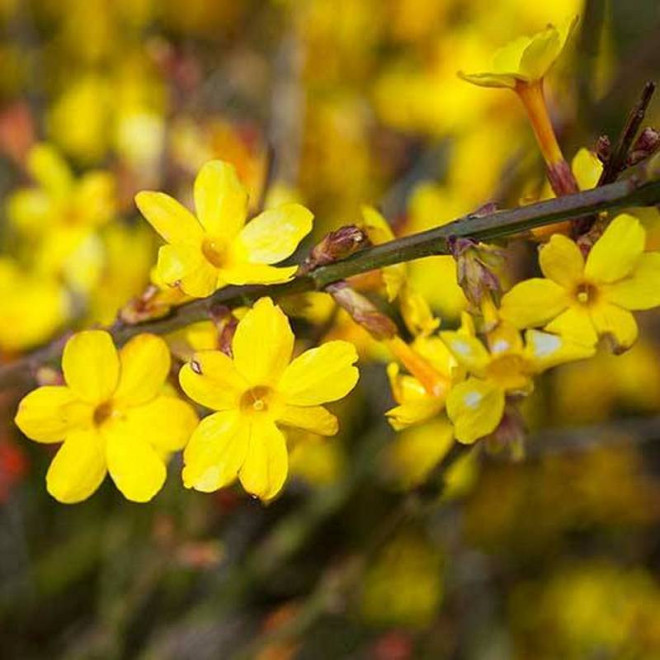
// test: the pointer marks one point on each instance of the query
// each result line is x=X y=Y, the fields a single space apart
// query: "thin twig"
x=616 y=163
x=432 y=242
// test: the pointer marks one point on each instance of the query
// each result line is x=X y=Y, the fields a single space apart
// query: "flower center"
x=102 y=413
x=586 y=293
x=215 y=251
x=256 y=399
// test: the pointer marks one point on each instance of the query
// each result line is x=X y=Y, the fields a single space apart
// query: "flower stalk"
x=559 y=172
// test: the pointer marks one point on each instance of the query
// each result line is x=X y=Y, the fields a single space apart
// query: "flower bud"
x=336 y=245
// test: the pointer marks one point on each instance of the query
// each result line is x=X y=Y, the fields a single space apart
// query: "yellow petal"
x=216 y=452
x=378 y=229
x=467 y=350
x=490 y=79
x=587 y=169
x=533 y=303
x=266 y=464
x=575 y=324
x=414 y=412
x=213 y=381
x=184 y=265
x=48 y=413
x=174 y=222
x=91 y=365
x=617 y=324
x=221 y=200
x=49 y=169
x=94 y=199
x=642 y=289
x=30 y=209
x=165 y=422
x=247 y=273
x=145 y=363
x=311 y=418
x=540 y=54
x=544 y=49
x=561 y=261
x=275 y=234
x=507 y=59
x=546 y=350
x=78 y=468
x=415 y=310
x=413 y=454
x=475 y=407
x=263 y=343
x=616 y=253
x=320 y=375
x=135 y=466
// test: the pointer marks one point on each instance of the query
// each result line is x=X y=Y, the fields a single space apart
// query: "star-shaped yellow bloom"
x=587 y=299
x=60 y=216
x=217 y=247
x=524 y=60
x=507 y=366
x=256 y=392
x=112 y=415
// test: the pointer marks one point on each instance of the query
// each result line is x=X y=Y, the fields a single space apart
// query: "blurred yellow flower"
x=524 y=60
x=476 y=405
x=593 y=298
x=255 y=392
x=416 y=451
x=112 y=415
x=59 y=216
x=315 y=459
x=217 y=248
x=403 y=584
x=33 y=307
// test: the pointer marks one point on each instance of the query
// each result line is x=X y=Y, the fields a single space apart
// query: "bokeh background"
x=335 y=103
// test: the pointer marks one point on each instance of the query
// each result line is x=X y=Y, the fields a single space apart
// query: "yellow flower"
x=33 y=307
x=112 y=415
x=476 y=405
x=403 y=581
x=217 y=248
x=59 y=201
x=593 y=298
x=412 y=455
x=255 y=393
x=521 y=66
x=61 y=215
x=524 y=60
x=415 y=403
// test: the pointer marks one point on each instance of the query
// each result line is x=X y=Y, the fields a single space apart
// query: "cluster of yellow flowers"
x=117 y=413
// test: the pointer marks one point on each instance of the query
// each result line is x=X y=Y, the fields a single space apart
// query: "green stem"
x=433 y=242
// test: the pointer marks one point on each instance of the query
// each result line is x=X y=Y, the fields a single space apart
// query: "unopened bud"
x=476 y=264
x=363 y=311
x=603 y=148
x=336 y=245
x=148 y=305
x=226 y=324
x=645 y=146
